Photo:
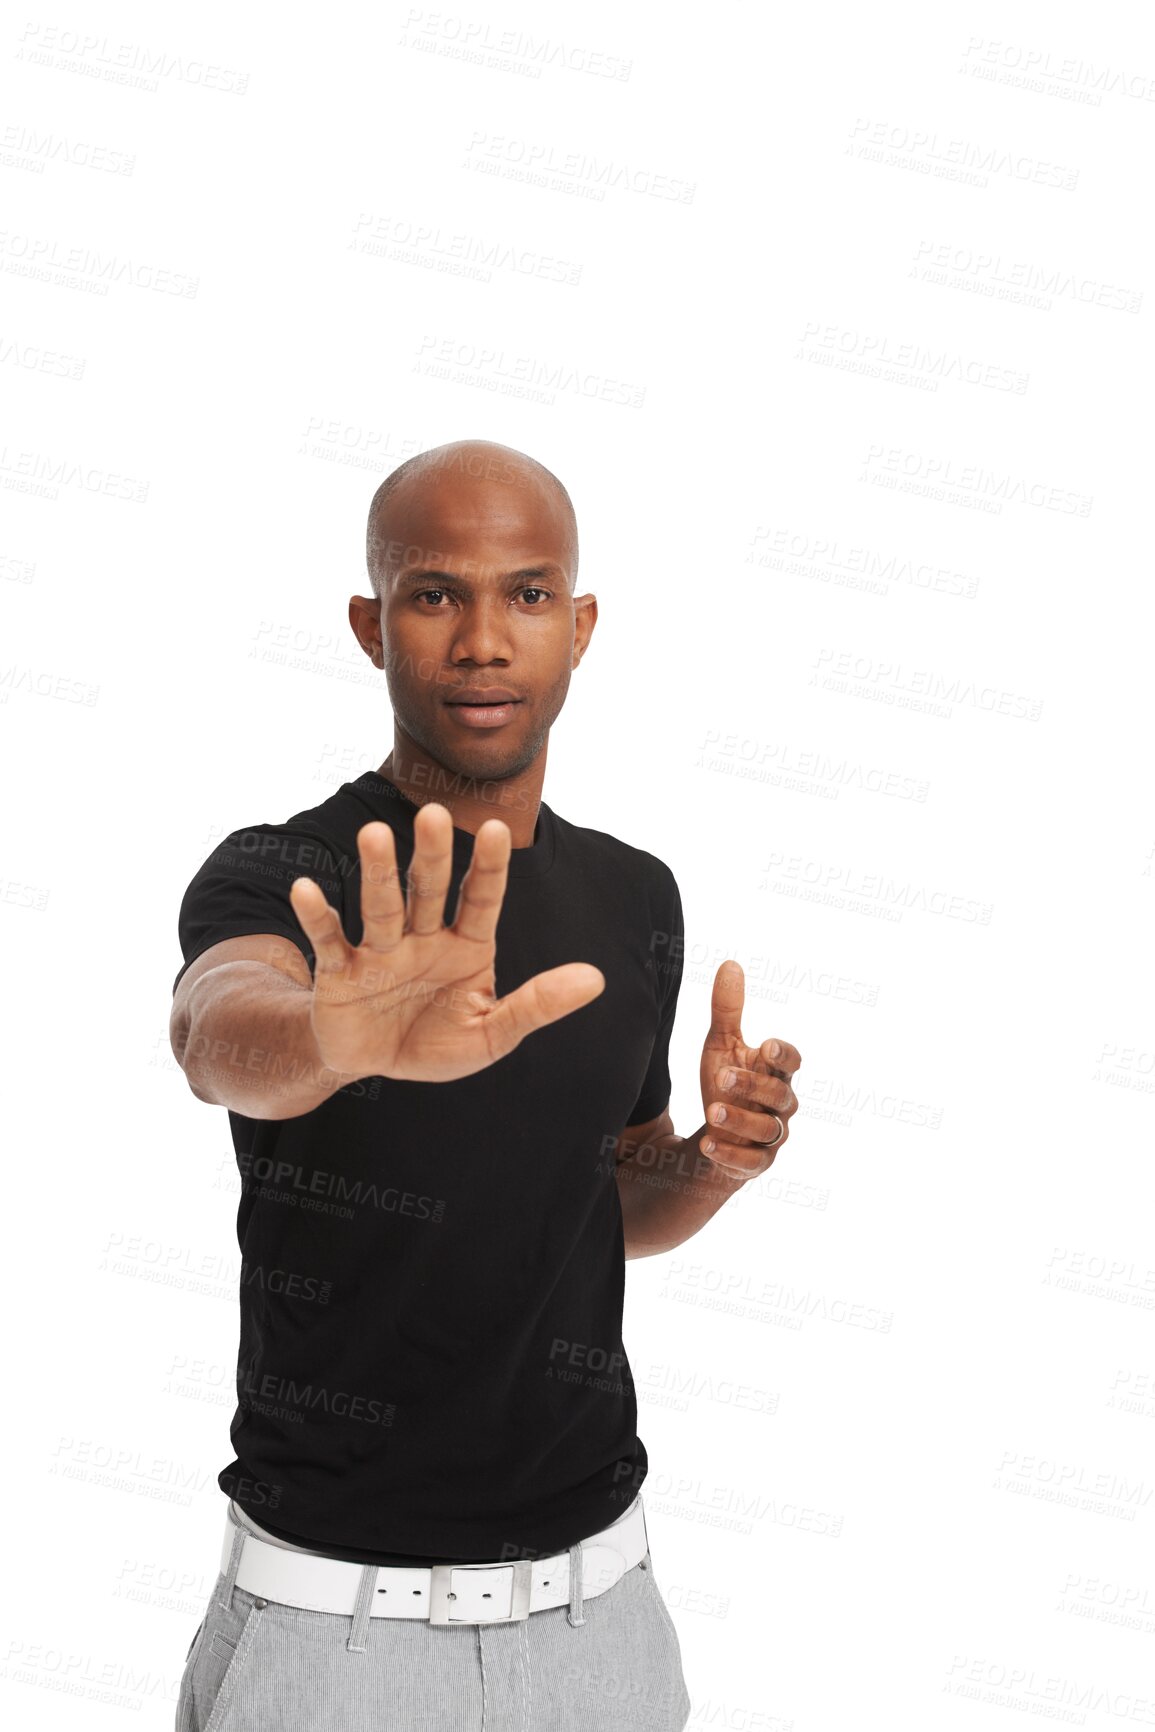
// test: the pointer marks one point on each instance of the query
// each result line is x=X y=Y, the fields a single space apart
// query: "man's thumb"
x=546 y=998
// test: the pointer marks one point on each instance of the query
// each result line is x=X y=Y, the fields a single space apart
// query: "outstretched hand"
x=749 y=1118
x=415 y=1000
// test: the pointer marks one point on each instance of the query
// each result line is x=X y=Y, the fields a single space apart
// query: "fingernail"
x=719 y=1115
x=707 y=1146
x=728 y=1079
x=775 y=1049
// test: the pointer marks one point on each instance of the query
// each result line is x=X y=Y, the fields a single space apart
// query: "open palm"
x=415 y=1000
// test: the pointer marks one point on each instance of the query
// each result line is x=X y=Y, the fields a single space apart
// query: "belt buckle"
x=441 y=1594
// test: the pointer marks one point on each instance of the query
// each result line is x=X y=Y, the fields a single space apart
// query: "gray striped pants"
x=610 y=1664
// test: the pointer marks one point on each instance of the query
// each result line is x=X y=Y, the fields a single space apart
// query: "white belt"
x=440 y=1593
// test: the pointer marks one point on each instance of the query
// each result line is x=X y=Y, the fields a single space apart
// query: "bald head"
x=478 y=466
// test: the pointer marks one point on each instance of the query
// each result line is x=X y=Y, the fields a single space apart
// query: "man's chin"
x=480 y=762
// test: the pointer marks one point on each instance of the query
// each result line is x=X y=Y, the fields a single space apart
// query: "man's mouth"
x=488 y=707
x=478 y=695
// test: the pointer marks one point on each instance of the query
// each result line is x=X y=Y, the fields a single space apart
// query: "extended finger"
x=382 y=903
x=430 y=869
x=787 y=1058
x=546 y=998
x=321 y=925
x=754 y=1085
x=484 y=884
x=726 y=1001
x=748 y=1122
x=742 y=1162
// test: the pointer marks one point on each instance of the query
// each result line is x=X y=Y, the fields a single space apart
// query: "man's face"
x=476 y=594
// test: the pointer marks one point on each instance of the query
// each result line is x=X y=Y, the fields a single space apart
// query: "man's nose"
x=482 y=633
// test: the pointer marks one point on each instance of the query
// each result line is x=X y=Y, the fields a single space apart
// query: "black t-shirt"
x=431 y=1366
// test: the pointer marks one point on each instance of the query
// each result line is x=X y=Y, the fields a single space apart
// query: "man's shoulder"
x=336 y=817
x=600 y=848
x=319 y=840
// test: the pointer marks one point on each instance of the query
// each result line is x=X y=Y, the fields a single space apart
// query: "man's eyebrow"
x=410 y=578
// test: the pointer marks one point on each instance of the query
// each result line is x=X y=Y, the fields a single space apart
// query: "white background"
x=836 y=324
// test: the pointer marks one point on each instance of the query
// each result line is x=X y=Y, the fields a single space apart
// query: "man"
x=439 y=1017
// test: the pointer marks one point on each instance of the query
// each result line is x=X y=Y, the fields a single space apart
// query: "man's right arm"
x=241 y=1029
x=414 y=1001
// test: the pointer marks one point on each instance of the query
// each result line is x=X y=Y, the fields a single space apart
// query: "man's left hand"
x=745 y=1139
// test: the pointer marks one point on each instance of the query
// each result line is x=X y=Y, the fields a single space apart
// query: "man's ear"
x=586 y=617
x=365 y=619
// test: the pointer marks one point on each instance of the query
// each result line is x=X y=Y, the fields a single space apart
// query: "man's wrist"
x=669 y=1189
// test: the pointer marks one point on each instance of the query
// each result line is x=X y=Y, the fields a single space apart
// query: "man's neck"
x=469 y=799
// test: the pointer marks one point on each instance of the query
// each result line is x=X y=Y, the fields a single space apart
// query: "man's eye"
x=528 y=589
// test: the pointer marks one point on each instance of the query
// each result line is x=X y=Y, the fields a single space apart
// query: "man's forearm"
x=668 y=1191
x=246 y=1042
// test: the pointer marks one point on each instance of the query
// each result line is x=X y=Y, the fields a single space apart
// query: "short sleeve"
x=243 y=888
x=668 y=946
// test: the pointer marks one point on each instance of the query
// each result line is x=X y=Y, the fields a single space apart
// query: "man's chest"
x=583 y=1072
